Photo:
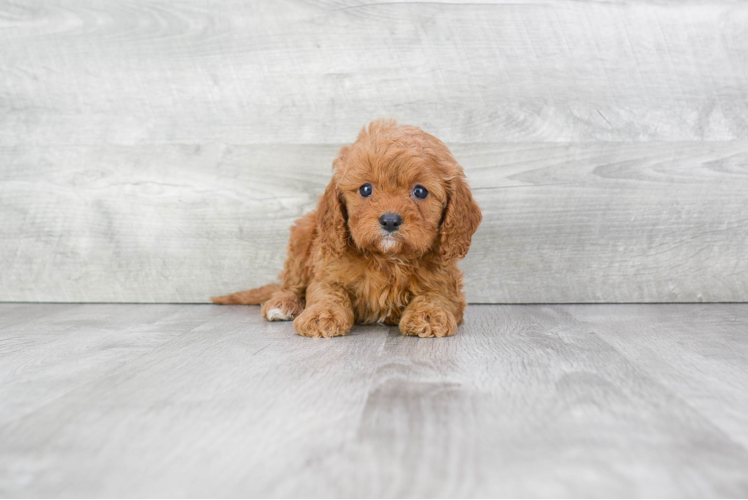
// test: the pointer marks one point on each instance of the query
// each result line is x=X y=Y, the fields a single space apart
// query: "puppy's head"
x=398 y=191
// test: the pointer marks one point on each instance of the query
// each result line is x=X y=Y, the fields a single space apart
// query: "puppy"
x=383 y=244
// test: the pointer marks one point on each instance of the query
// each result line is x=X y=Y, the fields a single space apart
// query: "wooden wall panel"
x=141 y=71
x=583 y=223
x=156 y=150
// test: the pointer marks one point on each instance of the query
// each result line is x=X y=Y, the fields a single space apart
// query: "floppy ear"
x=461 y=219
x=331 y=214
x=331 y=220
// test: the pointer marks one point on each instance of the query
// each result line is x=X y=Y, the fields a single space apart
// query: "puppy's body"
x=347 y=263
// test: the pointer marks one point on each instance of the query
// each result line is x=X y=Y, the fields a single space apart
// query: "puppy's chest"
x=381 y=295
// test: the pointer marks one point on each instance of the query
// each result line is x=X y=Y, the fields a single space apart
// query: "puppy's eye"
x=420 y=192
x=366 y=190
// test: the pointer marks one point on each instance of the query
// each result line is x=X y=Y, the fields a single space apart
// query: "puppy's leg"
x=431 y=316
x=285 y=301
x=328 y=313
x=284 y=305
x=288 y=302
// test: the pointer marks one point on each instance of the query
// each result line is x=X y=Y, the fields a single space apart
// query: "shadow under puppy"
x=383 y=244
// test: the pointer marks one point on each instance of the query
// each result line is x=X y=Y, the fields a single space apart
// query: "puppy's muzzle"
x=390 y=222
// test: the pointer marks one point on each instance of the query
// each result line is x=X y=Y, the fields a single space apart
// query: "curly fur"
x=343 y=268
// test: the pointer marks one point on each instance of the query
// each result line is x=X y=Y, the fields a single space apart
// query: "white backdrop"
x=159 y=150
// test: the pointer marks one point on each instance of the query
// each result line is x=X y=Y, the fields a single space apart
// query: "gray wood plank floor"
x=202 y=400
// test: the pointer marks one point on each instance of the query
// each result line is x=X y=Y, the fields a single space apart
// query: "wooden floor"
x=202 y=400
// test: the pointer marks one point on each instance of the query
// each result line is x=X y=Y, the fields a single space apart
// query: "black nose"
x=390 y=222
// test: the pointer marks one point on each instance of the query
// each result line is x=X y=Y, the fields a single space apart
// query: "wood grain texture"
x=46 y=357
x=83 y=72
x=15 y=314
x=614 y=222
x=526 y=401
x=158 y=151
x=698 y=353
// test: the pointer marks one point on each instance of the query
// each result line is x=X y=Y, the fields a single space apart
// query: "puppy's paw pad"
x=323 y=322
x=428 y=322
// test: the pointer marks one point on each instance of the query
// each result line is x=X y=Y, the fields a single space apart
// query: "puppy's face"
x=394 y=200
x=397 y=191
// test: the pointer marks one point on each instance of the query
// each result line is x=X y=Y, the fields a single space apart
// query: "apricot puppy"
x=383 y=244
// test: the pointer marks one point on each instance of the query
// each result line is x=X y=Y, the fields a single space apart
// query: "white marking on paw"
x=275 y=314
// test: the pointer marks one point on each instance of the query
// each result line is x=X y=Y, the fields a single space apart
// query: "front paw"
x=322 y=321
x=428 y=321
